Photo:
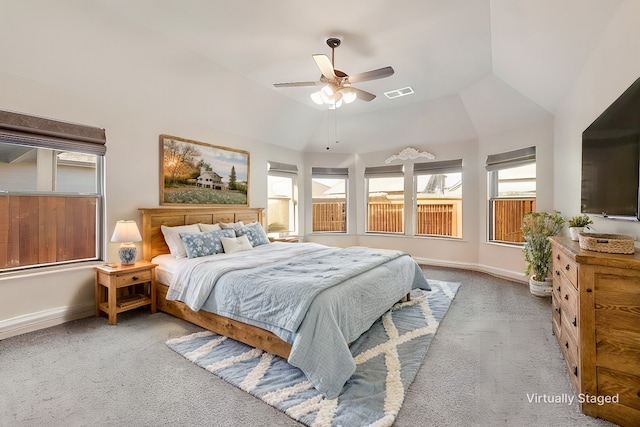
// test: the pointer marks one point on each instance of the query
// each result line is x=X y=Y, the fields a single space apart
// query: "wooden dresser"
x=596 y=319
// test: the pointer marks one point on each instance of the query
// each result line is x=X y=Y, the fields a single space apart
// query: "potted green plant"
x=537 y=227
x=577 y=224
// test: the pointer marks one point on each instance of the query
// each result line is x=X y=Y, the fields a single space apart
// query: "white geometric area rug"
x=387 y=356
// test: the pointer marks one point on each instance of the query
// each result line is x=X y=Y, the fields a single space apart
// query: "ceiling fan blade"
x=295 y=84
x=371 y=75
x=326 y=67
x=363 y=95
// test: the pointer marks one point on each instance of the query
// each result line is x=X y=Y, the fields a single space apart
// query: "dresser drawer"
x=568 y=301
x=570 y=352
x=556 y=321
x=562 y=263
x=134 y=277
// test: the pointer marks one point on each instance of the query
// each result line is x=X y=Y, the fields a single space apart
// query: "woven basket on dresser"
x=608 y=243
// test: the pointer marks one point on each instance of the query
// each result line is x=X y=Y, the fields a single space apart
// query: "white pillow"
x=234 y=225
x=209 y=227
x=235 y=244
x=172 y=237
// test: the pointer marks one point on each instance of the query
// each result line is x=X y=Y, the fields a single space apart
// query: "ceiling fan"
x=336 y=84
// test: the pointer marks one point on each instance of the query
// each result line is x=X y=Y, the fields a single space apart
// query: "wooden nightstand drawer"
x=127 y=279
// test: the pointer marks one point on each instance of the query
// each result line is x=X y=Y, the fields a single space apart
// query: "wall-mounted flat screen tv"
x=611 y=159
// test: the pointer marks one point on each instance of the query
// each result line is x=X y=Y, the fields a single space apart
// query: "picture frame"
x=200 y=174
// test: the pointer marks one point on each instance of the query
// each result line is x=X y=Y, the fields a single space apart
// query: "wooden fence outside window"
x=507 y=215
x=329 y=215
x=37 y=230
x=433 y=217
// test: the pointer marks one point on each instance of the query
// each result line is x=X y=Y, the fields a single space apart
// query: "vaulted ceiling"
x=477 y=67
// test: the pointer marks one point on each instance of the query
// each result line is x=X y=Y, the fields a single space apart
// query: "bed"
x=304 y=302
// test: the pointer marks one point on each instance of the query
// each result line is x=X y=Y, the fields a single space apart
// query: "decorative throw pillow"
x=236 y=244
x=172 y=237
x=255 y=233
x=206 y=243
x=209 y=227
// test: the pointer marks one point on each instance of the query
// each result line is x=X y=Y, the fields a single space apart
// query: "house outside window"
x=438 y=198
x=51 y=192
x=329 y=199
x=385 y=199
x=282 y=193
x=512 y=193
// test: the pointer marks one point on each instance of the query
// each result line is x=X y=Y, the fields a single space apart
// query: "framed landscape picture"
x=195 y=173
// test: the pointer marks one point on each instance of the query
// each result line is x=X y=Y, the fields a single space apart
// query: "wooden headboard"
x=153 y=243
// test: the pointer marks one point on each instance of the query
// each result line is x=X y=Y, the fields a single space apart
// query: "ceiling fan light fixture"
x=348 y=95
x=328 y=96
x=327 y=91
x=317 y=98
x=336 y=104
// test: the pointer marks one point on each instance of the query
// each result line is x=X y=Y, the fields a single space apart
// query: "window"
x=282 y=193
x=329 y=199
x=385 y=199
x=438 y=198
x=512 y=193
x=51 y=190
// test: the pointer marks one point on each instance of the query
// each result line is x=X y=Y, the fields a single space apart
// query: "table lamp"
x=126 y=232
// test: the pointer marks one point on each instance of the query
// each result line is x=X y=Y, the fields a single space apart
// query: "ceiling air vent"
x=398 y=92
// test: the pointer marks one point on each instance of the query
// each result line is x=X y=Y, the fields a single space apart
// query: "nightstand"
x=125 y=287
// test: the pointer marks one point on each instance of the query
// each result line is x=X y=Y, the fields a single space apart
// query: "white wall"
x=610 y=70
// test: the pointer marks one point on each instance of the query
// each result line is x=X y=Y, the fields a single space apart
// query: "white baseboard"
x=497 y=272
x=44 y=319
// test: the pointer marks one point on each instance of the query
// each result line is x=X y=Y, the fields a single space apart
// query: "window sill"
x=39 y=271
x=505 y=244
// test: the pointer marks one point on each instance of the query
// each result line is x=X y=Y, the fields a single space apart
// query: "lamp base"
x=127 y=253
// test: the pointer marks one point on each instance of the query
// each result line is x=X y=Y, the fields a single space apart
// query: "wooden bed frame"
x=153 y=244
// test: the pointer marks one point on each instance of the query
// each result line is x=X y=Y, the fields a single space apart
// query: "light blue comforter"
x=316 y=298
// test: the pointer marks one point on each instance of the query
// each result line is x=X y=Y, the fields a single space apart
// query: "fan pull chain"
x=335 y=127
x=335 y=124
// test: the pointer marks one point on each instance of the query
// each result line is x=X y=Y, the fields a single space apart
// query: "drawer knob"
x=566 y=344
x=558 y=310
x=134 y=278
x=558 y=288
x=575 y=321
x=566 y=296
x=567 y=267
x=557 y=272
x=558 y=256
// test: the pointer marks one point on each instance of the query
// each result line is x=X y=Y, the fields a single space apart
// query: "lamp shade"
x=126 y=231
